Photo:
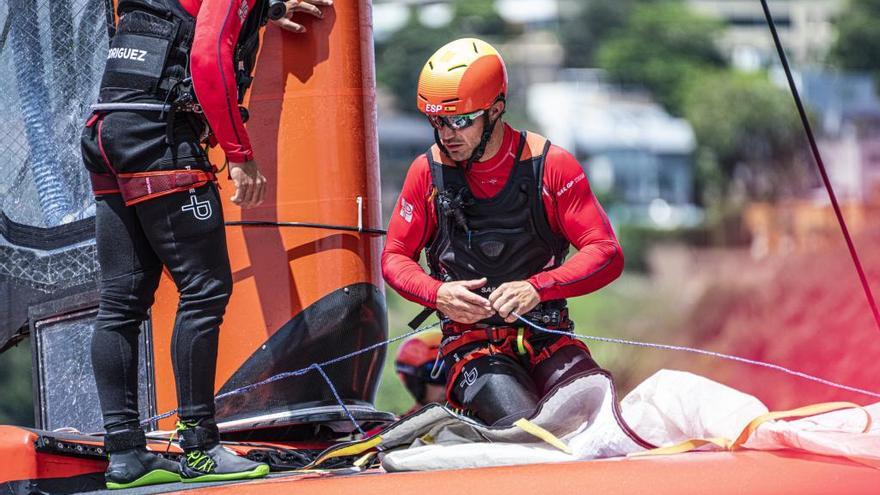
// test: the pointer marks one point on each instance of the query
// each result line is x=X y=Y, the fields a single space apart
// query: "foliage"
x=478 y=18
x=858 y=40
x=16 y=401
x=594 y=21
x=637 y=240
x=662 y=47
x=399 y=59
x=748 y=133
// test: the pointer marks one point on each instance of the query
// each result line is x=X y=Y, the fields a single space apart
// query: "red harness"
x=509 y=341
x=142 y=186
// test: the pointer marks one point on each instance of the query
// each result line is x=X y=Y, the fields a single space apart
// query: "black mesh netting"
x=52 y=55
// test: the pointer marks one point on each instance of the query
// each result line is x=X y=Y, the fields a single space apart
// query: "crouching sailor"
x=495 y=210
x=176 y=73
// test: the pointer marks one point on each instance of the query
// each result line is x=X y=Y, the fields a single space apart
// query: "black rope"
x=6 y=27
x=815 y=149
x=111 y=20
x=308 y=225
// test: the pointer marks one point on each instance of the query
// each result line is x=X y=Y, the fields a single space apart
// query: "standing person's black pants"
x=134 y=243
x=183 y=232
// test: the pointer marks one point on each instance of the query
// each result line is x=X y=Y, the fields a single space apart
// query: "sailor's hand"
x=250 y=185
x=514 y=297
x=294 y=6
x=455 y=300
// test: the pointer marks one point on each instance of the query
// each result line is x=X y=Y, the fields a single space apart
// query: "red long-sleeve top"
x=572 y=210
x=218 y=24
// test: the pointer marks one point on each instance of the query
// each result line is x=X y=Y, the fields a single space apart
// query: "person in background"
x=418 y=368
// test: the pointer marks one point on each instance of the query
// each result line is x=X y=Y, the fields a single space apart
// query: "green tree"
x=585 y=28
x=662 y=46
x=16 y=394
x=400 y=57
x=479 y=18
x=748 y=135
x=858 y=40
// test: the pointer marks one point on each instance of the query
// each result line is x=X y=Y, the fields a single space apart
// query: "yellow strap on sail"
x=543 y=434
x=352 y=449
x=801 y=412
x=364 y=459
x=686 y=446
x=727 y=444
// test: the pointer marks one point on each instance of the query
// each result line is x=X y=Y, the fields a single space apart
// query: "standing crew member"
x=495 y=210
x=176 y=73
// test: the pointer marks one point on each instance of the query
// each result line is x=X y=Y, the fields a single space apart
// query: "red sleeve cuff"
x=239 y=156
x=433 y=292
x=540 y=281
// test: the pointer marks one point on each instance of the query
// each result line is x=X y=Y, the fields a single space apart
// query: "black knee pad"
x=561 y=365
x=496 y=388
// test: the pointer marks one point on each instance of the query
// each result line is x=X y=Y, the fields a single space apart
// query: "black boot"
x=204 y=459
x=132 y=465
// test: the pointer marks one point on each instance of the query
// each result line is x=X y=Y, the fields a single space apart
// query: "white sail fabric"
x=668 y=408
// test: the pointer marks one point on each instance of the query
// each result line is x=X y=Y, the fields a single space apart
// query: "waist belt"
x=142 y=186
x=186 y=105
x=551 y=314
x=109 y=107
x=460 y=337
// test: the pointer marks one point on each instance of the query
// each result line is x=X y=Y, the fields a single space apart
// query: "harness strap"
x=562 y=341
x=504 y=340
x=499 y=340
x=143 y=186
x=109 y=107
x=103 y=184
x=492 y=334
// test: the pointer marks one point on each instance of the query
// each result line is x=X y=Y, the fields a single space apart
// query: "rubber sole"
x=155 y=477
x=257 y=472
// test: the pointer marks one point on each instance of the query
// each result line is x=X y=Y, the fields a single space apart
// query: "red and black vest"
x=504 y=238
x=148 y=61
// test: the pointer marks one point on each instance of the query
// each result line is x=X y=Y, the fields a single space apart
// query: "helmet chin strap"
x=488 y=128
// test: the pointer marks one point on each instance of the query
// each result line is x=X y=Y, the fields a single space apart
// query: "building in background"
x=402 y=137
x=635 y=153
x=847 y=122
x=804 y=26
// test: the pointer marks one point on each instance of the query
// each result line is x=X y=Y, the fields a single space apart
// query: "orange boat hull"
x=301 y=295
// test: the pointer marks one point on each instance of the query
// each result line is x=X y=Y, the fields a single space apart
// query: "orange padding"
x=533 y=147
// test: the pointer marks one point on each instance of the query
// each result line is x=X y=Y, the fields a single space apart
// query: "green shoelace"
x=200 y=461
x=196 y=459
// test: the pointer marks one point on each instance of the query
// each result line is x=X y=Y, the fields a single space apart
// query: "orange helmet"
x=463 y=76
x=418 y=352
x=415 y=361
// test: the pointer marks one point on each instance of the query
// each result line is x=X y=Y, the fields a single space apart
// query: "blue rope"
x=338 y=399
x=303 y=371
x=729 y=357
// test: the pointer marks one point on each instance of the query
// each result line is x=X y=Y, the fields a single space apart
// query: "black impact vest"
x=148 y=61
x=504 y=238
